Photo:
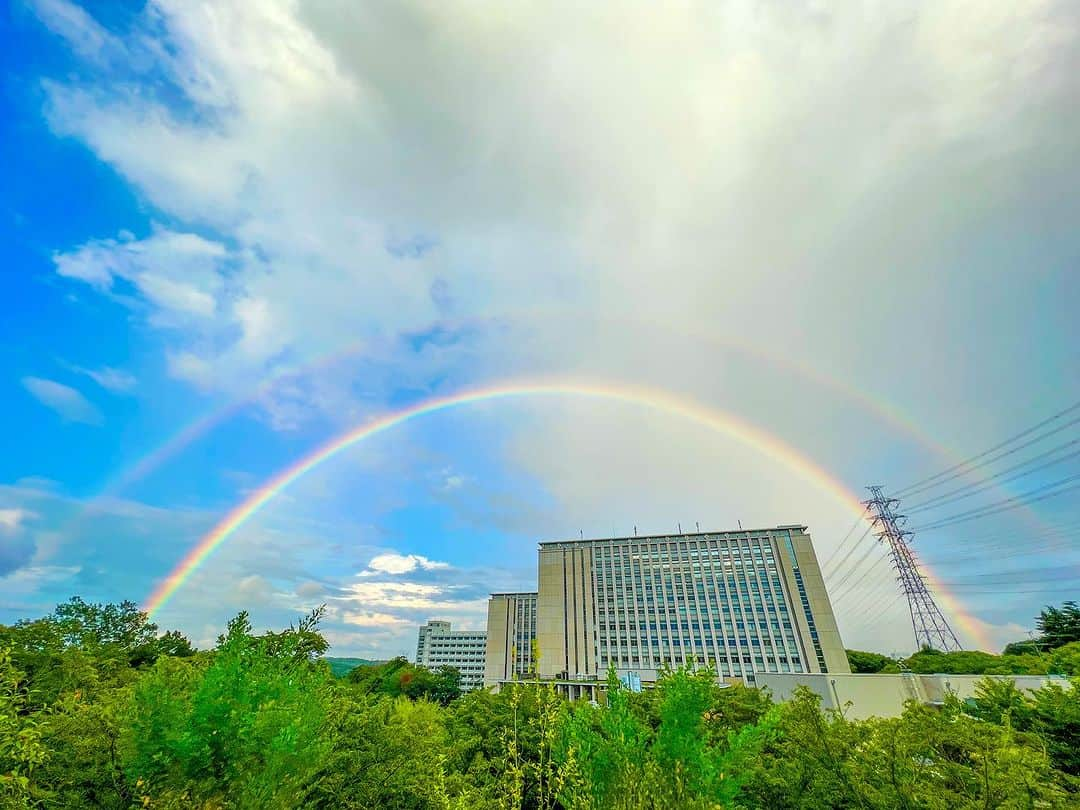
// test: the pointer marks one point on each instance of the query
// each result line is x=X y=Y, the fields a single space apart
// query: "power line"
x=965 y=466
x=1014 y=537
x=851 y=571
x=850 y=531
x=1020 y=576
x=853 y=586
x=961 y=493
x=981 y=555
x=840 y=563
x=1032 y=496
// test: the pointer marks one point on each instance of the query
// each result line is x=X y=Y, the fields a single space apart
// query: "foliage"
x=340 y=667
x=21 y=747
x=399 y=678
x=1059 y=626
x=927 y=758
x=245 y=728
x=89 y=721
x=690 y=757
x=867 y=662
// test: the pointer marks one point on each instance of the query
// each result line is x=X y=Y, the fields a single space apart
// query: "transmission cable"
x=853 y=586
x=851 y=571
x=964 y=466
x=967 y=491
x=839 y=563
x=850 y=531
x=1032 y=496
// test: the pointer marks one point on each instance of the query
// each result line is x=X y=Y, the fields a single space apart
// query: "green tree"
x=380 y=752
x=22 y=750
x=867 y=662
x=613 y=757
x=397 y=677
x=1055 y=717
x=1059 y=626
x=245 y=729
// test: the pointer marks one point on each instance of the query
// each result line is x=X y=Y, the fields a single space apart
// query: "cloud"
x=703 y=200
x=71 y=405
x=12 y=519
x=114 y=380
x=392 y=563
x=17 y=548
x=372 y=619
x=85 y=36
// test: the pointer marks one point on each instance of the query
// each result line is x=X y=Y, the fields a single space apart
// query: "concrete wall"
x=881 y=695
x=565 y=611
x=497 y=662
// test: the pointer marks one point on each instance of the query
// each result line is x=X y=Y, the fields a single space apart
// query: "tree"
x=246 y=729
x=867 y=661
x=1056 y=719
x=612 y=757
x=21 y=748
x=1059 y=626
x=397 y=677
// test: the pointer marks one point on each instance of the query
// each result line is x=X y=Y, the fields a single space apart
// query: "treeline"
x=1055 y=651
x=100 y=710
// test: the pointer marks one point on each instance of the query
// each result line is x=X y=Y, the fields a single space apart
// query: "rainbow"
x=883 y=410
x=653 y=399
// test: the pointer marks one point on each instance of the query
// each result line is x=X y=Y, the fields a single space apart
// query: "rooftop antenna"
x=740 y=524
x=680 y=527
x=635 y=530
x=582 y=533
x=697 y=526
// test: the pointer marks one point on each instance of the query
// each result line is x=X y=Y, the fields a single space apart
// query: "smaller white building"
x=438 y=646
x=884 y=694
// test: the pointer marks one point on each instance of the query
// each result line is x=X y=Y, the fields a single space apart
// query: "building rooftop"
x=513 y=593
x=674 y=536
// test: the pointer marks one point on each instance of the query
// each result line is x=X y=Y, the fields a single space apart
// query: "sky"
x=234 y=231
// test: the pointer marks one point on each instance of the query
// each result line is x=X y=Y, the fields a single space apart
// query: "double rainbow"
x=661 y=401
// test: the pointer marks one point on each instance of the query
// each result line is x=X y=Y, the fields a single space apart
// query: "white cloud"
x=409 y=595
x=373 y=619
x=71 y=405
x=30 y=579
x=12 y=519
x=85 y=36
x=392 y=563
x=780 y=210
x=114 y=380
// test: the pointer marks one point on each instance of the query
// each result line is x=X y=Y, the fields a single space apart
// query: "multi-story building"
x=437 y=645
x=511 y=637
x=742 y=602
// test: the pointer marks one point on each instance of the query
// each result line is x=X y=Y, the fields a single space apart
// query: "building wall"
x=566 y=611
x=743 y=602
x=816 y=621
x=438 y=645
x=882 y=695
x=511 y=636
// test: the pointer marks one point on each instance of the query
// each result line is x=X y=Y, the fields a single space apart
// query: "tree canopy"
x=100 y=709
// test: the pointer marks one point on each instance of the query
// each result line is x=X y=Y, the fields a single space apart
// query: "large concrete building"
x=511 y=637
x=437 y=645
x=743 y=602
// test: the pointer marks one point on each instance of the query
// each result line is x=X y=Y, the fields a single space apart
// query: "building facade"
x=885 y=695
x=742 y=602
x=511 y=637
x=438 y=645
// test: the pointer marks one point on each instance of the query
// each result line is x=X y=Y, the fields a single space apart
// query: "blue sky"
x=280 y=220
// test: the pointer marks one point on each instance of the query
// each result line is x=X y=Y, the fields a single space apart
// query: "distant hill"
x=342 y=666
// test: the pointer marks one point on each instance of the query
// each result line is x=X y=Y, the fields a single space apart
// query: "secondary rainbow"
x=653 y=399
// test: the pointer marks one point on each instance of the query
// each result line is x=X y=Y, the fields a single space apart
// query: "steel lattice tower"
x=931 y=628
